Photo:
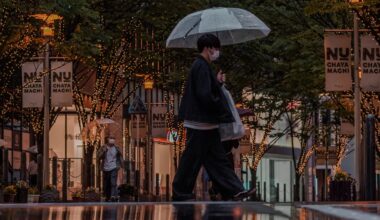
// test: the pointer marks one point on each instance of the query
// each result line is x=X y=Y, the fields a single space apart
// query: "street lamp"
x=357 y=118
x=148 y=86
x=47 y=30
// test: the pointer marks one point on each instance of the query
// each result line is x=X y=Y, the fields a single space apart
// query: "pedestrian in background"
x=33 y=171
x=230 y=133
x=111 y=160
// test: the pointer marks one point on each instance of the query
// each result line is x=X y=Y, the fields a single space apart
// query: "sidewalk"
x=192 y=210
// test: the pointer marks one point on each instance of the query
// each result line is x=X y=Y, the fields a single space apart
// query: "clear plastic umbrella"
x=230 y=25
x=34 y=150
x=103 y=121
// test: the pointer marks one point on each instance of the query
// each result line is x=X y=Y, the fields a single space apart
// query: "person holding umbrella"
x=203 y=107
x=111 y=160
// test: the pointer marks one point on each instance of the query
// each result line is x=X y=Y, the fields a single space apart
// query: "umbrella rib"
x=187 y=33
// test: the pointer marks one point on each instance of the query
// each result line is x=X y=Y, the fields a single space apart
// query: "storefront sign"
x=245 y=142
x=32 y=81
x=370 y=64
x=321 y=156
x=159 y=127
x=337 y=62
x=61 y=84
x=138 y=126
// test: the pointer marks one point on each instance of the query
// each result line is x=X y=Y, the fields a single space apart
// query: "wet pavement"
x=193 y=210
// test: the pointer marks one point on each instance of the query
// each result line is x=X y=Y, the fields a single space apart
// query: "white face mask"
x=214 y=56
x=111 y=141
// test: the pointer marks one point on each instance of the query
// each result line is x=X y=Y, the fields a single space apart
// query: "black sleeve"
x=203 y=87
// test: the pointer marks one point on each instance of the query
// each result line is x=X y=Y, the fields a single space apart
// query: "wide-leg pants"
x=203 y=148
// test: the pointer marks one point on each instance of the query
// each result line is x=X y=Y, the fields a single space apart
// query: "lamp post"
x=47 y=31
x=148 y=86
x=357 y=98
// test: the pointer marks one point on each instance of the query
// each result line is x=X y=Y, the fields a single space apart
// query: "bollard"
x=157 y=186
x=258 y=191
x=92 y=180
x=378 y=186
x=5 y=166
x=23 y=172
x=40 y=171
x=98 y=179
x=64 y=180
x=278 y=192
x=68 y=163
x=167 y=187
x=1 y=163
x=313 y=190
x=322 y=194
x=128 y=173
x=146 y=183
x=303 y=190
x=265 y=191
x=137 y=184
x=368 y=181
x=284 y=192
x=54 y=171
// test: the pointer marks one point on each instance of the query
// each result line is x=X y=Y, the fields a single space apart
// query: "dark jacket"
x=102 y=152
x=203 y=99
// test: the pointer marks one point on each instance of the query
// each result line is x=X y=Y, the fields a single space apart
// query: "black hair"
x=208 y=40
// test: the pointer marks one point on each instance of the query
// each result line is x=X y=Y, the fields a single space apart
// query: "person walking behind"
x=230 y=133
x=203 y=107
x=110 y=158
x=33 y=171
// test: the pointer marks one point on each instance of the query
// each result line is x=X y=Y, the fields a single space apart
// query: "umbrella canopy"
x=230 y=25
x=103 y=121
x=34 y=149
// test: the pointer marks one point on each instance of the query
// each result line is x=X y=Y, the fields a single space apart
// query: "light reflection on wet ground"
x=160 y=211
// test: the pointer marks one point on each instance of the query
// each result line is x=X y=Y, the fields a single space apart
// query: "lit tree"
x=300 y=117
x=117 y=65
x=17 y=44
x=341 y=150
x=369 y=15
x=267 y=109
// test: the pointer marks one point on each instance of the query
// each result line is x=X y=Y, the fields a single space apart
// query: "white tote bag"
x=234 y=130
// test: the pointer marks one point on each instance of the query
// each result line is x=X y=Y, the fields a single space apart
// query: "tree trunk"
x=297 y=188
x=253 y=182
x=88 y=164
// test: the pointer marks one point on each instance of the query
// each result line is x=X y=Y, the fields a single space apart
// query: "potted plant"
x=91 y=195
x=341 y=187
x=77 y=196
x=33 y=195
x=10 y=194
x=21 y=191
x=49 y=194
x=126 y=192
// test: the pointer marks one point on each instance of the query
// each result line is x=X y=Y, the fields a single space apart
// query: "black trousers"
x=227 y=146
x=203 y=148
x=109 y=183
